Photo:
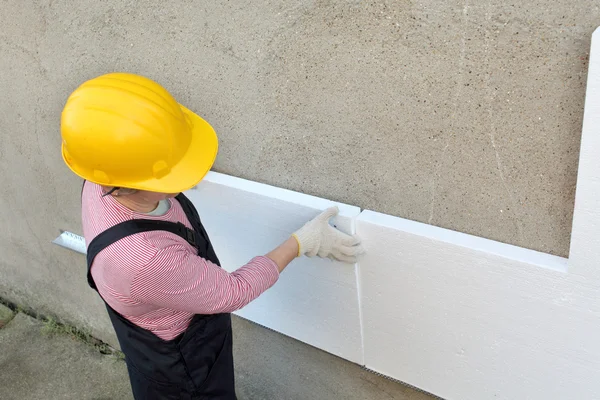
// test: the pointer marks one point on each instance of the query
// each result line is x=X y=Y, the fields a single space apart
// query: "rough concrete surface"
x=6 y=314
x=462 y=114
x=37 y=366
x=269 y=366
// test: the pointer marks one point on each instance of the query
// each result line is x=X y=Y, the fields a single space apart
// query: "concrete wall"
x=465 y=115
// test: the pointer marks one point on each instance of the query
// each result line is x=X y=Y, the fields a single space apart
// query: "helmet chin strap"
x=111 y=191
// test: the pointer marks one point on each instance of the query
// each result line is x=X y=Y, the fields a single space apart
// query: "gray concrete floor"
x=36 y=365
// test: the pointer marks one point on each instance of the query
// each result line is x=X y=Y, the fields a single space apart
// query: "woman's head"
x=126 y=130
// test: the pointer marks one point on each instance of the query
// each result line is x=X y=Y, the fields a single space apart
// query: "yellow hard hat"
x=126 y=130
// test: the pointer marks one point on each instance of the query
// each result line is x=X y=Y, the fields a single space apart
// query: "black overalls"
x=198 y=364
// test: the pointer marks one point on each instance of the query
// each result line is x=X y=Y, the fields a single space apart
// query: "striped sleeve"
x=177 y=279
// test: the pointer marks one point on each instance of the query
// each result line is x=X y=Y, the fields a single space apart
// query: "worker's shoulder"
x=139 y=249
x=162 y=240
x=151 y=241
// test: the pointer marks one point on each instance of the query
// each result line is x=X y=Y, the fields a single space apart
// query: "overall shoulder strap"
x=205 y=248
x=127 y=228
x=188 y=209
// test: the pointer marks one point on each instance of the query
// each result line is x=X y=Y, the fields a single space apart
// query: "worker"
x=149 y=257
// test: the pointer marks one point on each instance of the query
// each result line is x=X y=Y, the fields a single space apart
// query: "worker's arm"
x=285 y=253
x=178 y=279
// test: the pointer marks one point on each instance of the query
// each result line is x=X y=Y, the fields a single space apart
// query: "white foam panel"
x=444 y=313
x=315 y=300
x=585 y=238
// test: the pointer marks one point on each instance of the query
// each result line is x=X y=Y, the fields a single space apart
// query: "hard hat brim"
x=188 y=172
x=195 y=164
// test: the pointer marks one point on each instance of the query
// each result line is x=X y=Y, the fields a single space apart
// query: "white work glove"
x=318 y=238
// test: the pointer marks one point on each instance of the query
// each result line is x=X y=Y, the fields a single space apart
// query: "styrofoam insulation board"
x=584 y=255
x=315 y=300
x=542 y=260
x=470 y=319
x=465 y=323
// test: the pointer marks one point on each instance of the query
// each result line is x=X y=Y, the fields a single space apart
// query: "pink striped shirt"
x=155 y=279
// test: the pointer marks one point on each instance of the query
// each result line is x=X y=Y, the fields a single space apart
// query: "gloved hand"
x=318 y=238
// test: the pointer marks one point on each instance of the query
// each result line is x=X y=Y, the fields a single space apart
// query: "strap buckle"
x=189 y=234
